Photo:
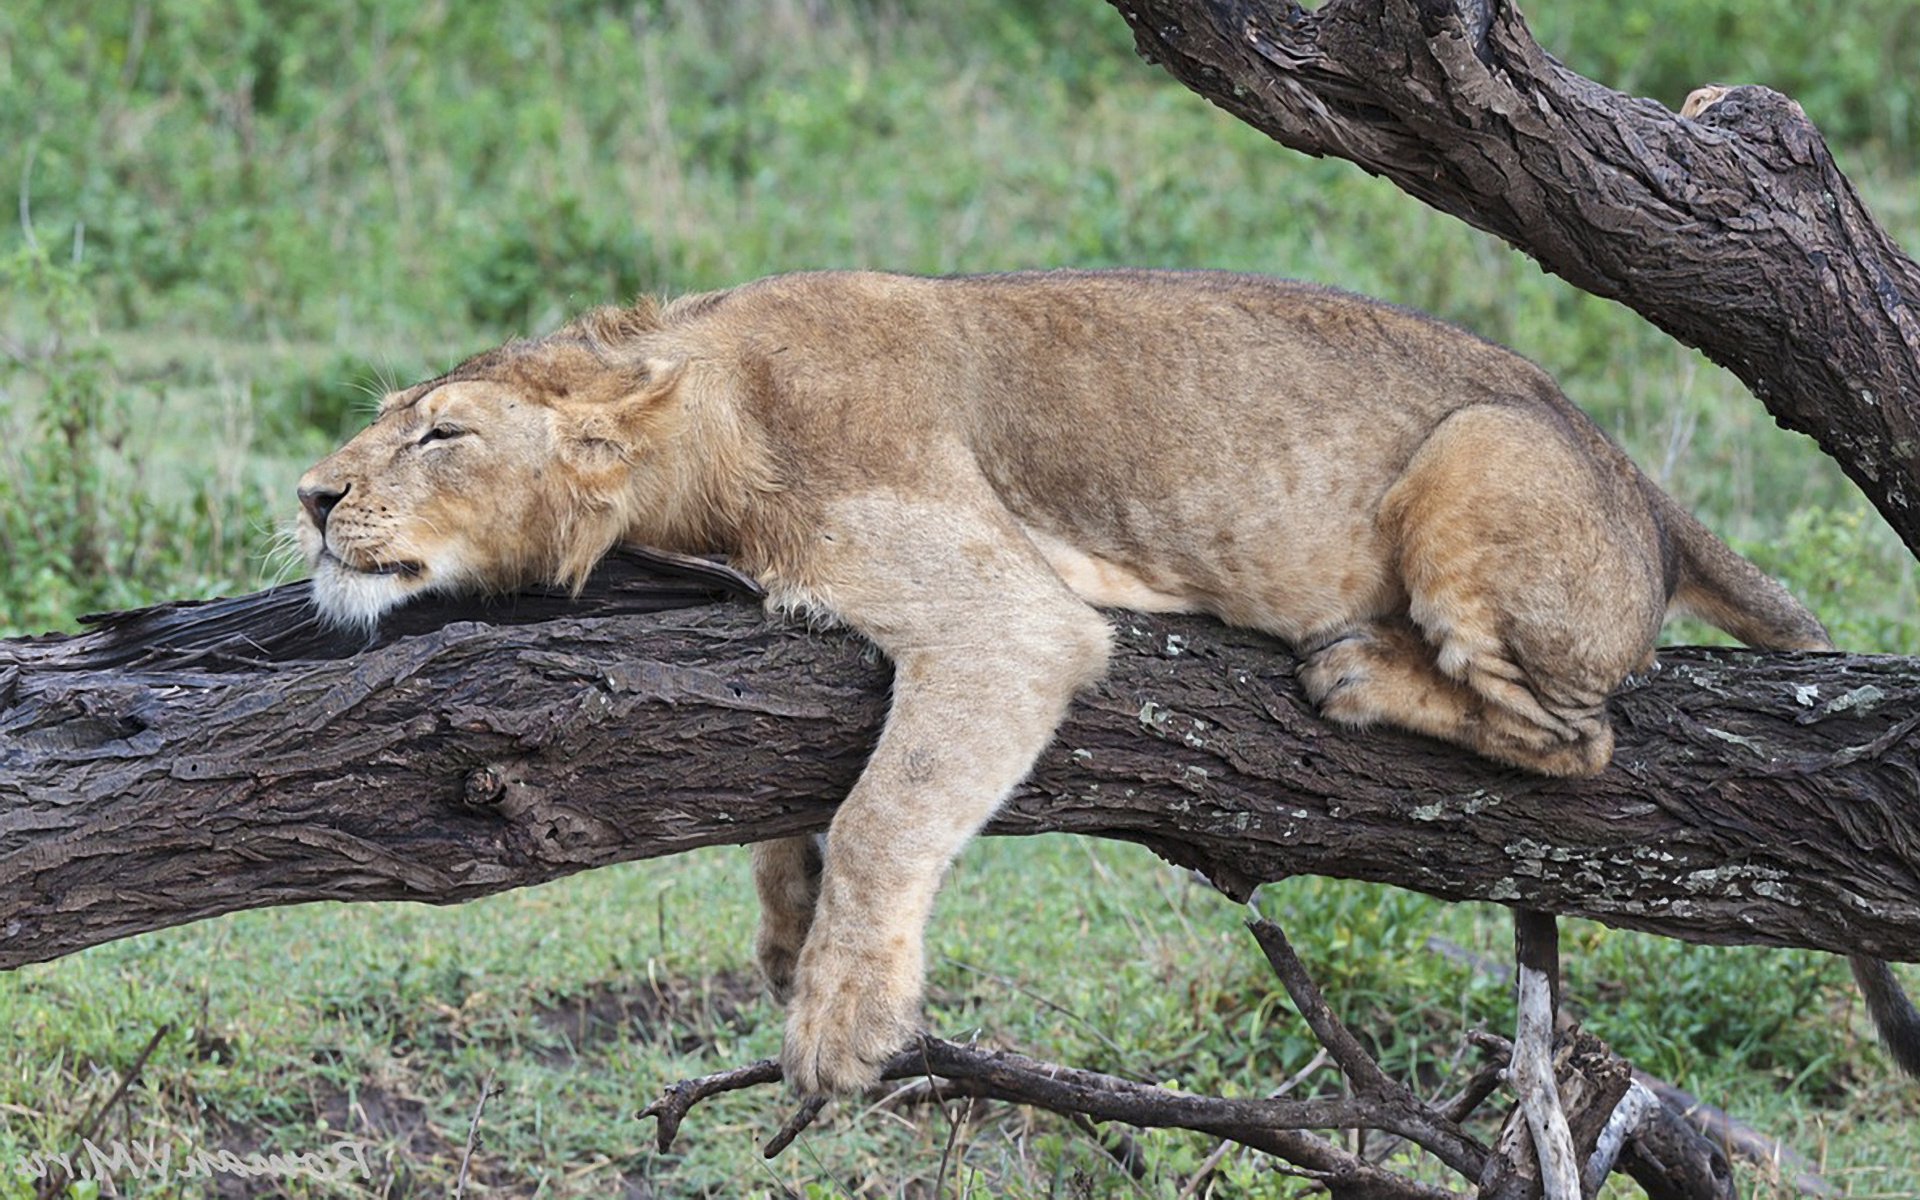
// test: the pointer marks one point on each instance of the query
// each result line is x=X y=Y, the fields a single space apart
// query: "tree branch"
x=1269 y=1125
x=198 y=759
x=1602 y=1114
x=1531 y=1071
x=1731 y=228
x=1416 y=1121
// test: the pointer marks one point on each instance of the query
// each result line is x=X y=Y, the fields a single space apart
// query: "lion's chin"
x=356 y=600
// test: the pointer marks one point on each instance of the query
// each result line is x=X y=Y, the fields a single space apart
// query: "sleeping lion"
x=966 y=470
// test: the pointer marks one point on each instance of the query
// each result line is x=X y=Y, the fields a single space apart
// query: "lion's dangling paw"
x=851 y=1012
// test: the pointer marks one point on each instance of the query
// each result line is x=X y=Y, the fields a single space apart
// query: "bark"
x=194 y=760
x=1734 y=230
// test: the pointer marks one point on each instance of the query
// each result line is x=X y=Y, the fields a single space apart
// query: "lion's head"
x=513 y=469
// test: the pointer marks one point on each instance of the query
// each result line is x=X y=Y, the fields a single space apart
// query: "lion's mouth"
x=404 y=568
x=410 y=570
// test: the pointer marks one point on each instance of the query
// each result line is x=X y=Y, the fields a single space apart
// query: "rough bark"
x=195 y=760
x=1734 y=231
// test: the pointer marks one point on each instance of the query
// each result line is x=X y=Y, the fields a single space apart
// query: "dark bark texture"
x=1734 y=231
x=197 y=759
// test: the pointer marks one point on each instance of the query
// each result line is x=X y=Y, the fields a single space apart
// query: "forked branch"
x=1278 y=1127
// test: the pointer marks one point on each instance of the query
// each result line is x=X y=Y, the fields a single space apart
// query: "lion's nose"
x=319 y=501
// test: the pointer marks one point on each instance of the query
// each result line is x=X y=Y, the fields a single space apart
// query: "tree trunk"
x=197 y=759
x=1730 y=228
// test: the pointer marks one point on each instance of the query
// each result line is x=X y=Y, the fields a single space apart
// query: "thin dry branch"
x=1270 y=1126
x=55 y=1182
x=1712 y=1125
x=1536 y=939
x=1417 y=1121
x=1666 y=1156
x=1595 y=1081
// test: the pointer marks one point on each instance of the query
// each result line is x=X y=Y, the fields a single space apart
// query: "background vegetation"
x=239 y=221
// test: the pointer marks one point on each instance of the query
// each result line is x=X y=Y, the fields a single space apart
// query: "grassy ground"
x=249 y=219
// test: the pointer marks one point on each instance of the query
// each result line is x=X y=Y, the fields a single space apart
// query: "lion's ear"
x=641 y=408
x=609 y=436
x=658 y=376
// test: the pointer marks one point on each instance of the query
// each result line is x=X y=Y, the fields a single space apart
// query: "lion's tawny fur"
x=962 y=469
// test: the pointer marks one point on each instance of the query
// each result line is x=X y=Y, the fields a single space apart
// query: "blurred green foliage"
x=360 y=191
x=263 y=165
x=82 y=529
x=1850 y=65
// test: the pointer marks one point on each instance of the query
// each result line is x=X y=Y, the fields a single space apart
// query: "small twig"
x=473 y=1136
x=1119 y=1145
x=1209 y=1167
x=946 y=1151
x=55 y=1181
x=1413 y=1119
x=679 y=1098
x=1536 y=941
x=794 y=1126
x=1481 y=1084
x=917 y=1093
x=1321 y=1058
x=1472 y=1094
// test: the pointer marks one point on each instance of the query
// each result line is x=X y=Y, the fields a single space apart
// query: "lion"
x=966 y=470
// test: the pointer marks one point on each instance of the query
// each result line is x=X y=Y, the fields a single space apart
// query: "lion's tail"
x=1730 y=593
x=1893 y=1013
x=1724 y=589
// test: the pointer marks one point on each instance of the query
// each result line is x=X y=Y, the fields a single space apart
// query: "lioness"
x=963 y=469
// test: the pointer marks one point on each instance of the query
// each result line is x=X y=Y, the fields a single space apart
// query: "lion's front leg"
x=988 y=647
x=958 y=739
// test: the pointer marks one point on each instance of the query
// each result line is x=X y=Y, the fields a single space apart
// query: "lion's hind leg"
x=1384 y=672
x=786 y=876
x=1387 y=672
x=1534 y=587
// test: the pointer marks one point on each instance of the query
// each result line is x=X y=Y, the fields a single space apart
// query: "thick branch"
x=197 y=760
x=1734 y=231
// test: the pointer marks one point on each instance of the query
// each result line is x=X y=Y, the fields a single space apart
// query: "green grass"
x=295 y=1027
x=250 y=220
